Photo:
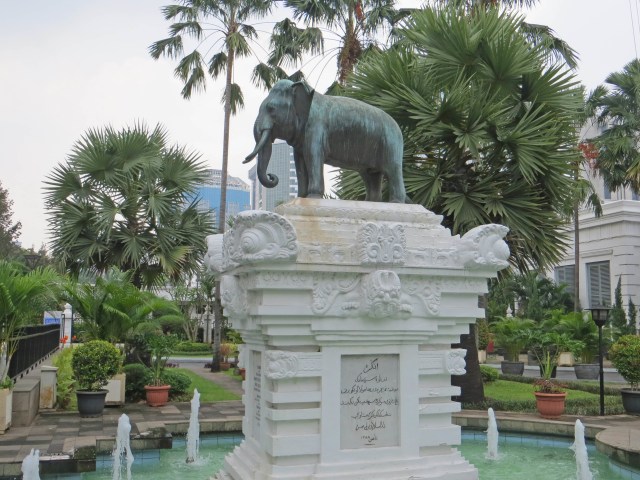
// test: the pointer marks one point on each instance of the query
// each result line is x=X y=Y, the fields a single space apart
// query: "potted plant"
x=93 y=364
x=226 y=349
x=625 y=356
x=581 y=328
x=160 y=347
x=512 y=334
x=550 y=396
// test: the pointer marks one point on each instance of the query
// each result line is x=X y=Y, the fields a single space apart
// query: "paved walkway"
x=58 y=434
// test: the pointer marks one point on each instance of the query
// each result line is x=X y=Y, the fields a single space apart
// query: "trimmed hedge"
x=138 y=376
x=192 y=347
x=179 y=382
x=489 y=374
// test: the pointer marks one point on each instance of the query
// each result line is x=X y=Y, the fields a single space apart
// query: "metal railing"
x=34 y=343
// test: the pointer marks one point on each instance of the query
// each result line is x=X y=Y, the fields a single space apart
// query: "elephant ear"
x=302 y=97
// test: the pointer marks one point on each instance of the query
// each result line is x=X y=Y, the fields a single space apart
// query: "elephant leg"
x=301 y=174
x=395 y=179
x=314 y=162
x=373 y=185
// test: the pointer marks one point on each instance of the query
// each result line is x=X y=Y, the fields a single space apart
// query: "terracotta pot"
x=225 y=366
x=157 y=396
x=243 y=373
x=550 y=405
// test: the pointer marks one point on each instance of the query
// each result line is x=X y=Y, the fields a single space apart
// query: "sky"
x=68 y=66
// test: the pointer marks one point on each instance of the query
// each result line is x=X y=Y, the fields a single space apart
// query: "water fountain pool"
x=521 y=457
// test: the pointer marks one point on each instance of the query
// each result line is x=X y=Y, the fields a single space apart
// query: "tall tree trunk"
x=472 y=389
x=217 y=317
x=576 y=246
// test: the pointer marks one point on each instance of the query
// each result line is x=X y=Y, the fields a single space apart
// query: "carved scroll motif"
x=259 y=237
x=280 y=364
x=382 y=244
x=327 y=286
x=455 y=362
x=484 y=247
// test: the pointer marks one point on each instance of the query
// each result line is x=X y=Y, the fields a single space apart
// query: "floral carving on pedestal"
x=382 y=294
x=327 y=286
x=233 y=297
x=428 y=292
x=280 y=364
x=259 y=237
x=484 y=247
x=382 y=244
x=455 y=362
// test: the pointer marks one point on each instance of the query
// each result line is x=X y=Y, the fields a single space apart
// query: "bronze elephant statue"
x=337 y=131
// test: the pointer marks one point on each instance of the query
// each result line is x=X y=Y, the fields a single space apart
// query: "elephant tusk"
x=263 y=140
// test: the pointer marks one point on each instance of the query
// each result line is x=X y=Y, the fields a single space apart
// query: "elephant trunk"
x=260 y=143
x=264 y=156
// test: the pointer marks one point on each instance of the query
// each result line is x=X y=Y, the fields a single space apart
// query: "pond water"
x=521 y=457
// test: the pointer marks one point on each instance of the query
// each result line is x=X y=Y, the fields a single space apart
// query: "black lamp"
x=600 y=314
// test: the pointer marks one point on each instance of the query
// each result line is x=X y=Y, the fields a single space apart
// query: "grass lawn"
x=229 y=373
x=509 y=391
x=192 y=355
x=209 y=391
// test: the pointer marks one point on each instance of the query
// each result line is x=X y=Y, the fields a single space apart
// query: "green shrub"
x=65 y=381
x=193 y=347
x=138 y=376
x=179 y=382
x=489 y=374
x=625 y=356
x=94 y=363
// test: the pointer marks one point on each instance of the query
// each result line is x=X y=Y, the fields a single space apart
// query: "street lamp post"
x=600 y=315
x=67 y=322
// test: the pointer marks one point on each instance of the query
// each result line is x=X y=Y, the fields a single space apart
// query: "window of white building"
x=566 y=274
x=599 y=278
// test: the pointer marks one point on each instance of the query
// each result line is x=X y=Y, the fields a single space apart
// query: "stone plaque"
x=256 y=380
x=369 y=401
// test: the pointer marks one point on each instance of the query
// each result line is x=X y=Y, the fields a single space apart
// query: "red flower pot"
x=550 y=405
x=157 y=396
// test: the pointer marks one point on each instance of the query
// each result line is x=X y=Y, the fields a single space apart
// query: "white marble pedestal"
x=348 y=311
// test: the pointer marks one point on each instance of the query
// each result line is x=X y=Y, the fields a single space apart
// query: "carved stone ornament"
x=455 y=363
x=280 y=364
x=259 y=237
x=213 y=259
x=429 y=293
x=376 y=295
x=484 y=247
x=382 y=244
x=382 y=294
x=233 y=297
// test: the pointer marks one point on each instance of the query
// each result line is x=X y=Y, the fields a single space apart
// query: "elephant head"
x=282 y=115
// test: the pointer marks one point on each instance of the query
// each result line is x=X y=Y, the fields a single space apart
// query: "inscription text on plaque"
x=369 y=401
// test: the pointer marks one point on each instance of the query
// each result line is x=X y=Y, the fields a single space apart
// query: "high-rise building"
x=238 y=195
x=281 y=165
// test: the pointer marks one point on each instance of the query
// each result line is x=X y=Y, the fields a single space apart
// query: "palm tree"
x=356 y=23
x=112 y=308
x=128 y=199
x=489 y=127
x=22 y=298
x=617 y=109
x=220 y=31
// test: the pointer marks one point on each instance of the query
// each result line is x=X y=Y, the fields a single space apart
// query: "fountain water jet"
x=122 y=450
x=193 y=434
x=31 y=466
x=492 y=436
x=580 y=448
